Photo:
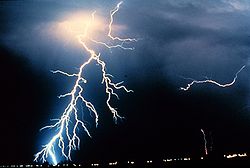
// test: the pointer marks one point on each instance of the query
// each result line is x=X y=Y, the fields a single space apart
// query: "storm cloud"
x=182 y=38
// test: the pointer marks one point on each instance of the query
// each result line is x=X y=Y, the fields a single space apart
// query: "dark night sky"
x=195 y=39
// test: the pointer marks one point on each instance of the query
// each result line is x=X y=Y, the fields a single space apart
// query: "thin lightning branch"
x=66 y=137
x=112 y=12
x=205 y=141
x=115 y=38
x=113 y=46
x=70 y=75
x=212 y=81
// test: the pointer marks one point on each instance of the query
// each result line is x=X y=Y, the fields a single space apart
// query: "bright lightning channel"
x=205 y=141
x=212 y=81
x=66 y=138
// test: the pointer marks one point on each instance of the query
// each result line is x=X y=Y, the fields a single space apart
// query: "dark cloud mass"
x=176 y=39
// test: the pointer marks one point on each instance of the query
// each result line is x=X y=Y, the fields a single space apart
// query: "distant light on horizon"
x=95 y=164
x=230 y=156
x=113 y=163
x=131 y=162
x=149 y=161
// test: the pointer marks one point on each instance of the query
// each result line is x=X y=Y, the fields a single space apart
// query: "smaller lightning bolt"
x=205 y=141
x=212 y=81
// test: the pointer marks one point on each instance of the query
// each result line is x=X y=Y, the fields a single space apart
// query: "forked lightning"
x=66 y=138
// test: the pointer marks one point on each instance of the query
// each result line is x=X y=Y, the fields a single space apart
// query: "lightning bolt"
x=66 y=138
x=205 y=141
x=212 y=81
